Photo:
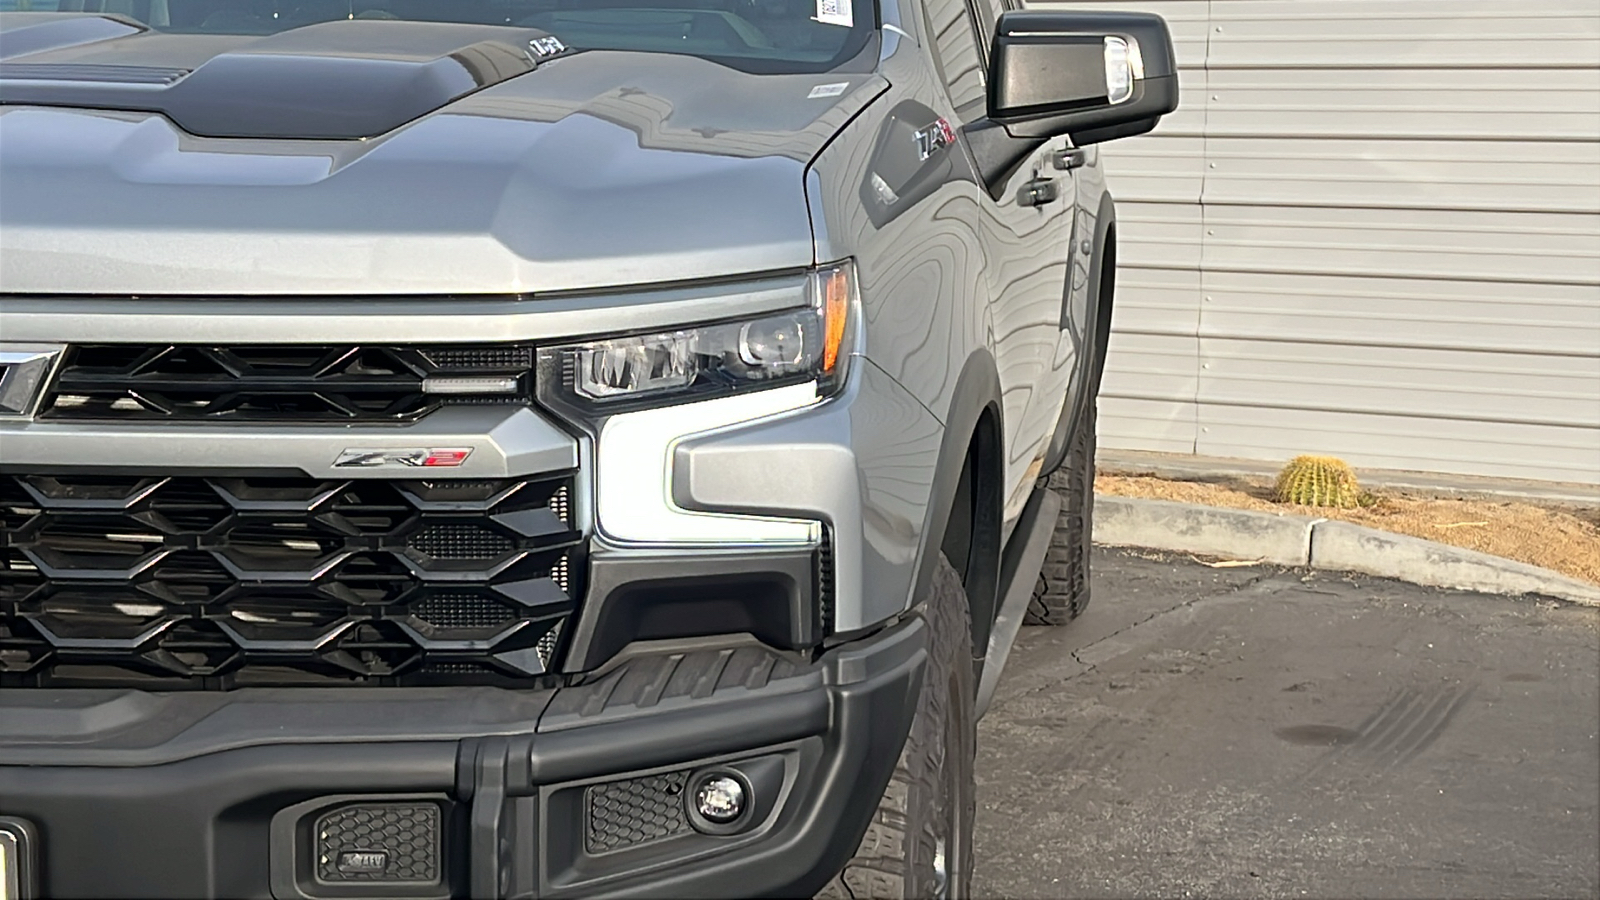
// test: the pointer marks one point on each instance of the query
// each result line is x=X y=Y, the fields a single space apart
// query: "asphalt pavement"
x=1258 y=731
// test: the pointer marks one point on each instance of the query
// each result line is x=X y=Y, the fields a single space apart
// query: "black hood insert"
x=339 y=80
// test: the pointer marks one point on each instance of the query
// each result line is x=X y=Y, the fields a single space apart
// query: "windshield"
x=754 y=35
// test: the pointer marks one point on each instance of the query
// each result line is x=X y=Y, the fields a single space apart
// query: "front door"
x=1026 y=236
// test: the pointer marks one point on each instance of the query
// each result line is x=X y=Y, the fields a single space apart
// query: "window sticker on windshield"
x=835 y=12
x=827 y=90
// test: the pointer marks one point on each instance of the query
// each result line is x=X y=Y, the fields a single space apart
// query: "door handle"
x=1070 y=158
x=1038 y=192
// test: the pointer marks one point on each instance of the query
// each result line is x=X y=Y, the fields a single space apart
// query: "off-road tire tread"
x=1062 y=592
x=885 y=865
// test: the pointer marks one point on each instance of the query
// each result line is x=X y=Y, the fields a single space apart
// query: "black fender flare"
x=976 y=396
x=1094 y=361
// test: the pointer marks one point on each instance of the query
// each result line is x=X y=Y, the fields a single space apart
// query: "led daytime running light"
x=809 y=343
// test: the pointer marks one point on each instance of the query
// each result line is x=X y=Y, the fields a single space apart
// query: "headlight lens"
x=627 y=372
x=635 y=366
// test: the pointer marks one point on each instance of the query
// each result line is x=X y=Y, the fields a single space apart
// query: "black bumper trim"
x=144 y=809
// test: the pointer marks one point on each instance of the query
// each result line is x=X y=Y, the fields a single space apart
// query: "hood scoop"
x=90 y=72
x=339 y=80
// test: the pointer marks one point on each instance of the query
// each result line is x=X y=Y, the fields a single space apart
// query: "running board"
x=1019 y=572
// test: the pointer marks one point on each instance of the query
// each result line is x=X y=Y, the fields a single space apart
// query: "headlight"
x=810 y=343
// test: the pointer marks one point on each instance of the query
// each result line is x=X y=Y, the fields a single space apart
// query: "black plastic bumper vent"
x=225 y=582
x=282 y=383
x=380 y=842
x=621 y=814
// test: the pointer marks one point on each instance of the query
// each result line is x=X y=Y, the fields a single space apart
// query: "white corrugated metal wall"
x=1372 y=229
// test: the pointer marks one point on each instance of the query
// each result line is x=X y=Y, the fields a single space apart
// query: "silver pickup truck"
x=537 y=448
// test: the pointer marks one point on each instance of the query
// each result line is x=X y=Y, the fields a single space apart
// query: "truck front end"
x=393 y=514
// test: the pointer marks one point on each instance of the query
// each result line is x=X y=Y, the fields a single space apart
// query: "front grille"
x=282 y=383
x=230 y=582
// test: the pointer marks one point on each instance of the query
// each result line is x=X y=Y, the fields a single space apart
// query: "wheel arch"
x=1102 y=284
x=965 y=505
x=1103 y=276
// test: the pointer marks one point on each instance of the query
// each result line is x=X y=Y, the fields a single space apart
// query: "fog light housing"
x=719 y=802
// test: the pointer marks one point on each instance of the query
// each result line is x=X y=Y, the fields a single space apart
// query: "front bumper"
x=477 y=792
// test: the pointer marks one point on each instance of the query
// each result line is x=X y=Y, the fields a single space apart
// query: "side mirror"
x=1092 y=75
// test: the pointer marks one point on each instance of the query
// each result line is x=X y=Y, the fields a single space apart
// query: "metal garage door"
x=1373 y=230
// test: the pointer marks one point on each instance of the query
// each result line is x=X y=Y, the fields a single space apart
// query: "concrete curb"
x=1210 y=530
x=1322 y=544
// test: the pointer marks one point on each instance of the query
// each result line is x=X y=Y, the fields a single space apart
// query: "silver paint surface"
x=603 y=169
x=959 y=273
x=584 y=198
x=862 y=462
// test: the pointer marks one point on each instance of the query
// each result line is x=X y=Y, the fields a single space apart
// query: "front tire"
x=919 y=843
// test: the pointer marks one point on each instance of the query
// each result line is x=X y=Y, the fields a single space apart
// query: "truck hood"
x=572 y=172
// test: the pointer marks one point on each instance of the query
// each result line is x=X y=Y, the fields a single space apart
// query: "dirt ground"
x=1565 y=539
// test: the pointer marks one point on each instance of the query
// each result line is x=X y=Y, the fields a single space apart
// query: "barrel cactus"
x=1318 y=481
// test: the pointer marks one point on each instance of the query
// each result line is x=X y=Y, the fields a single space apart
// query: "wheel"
x=920 y=841
x=1062 y=592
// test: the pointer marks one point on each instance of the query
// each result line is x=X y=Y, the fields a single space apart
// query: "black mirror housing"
x=1092 y=75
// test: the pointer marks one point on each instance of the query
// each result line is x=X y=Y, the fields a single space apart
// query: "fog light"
x=720 y=799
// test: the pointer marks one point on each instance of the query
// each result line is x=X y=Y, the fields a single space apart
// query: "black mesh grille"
x=225 y=582
x=825 y=580
x=461 y=611
x=281 y=383
x=637 y=811
x=495 y=359
x=454 y=540
x=381 y=842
